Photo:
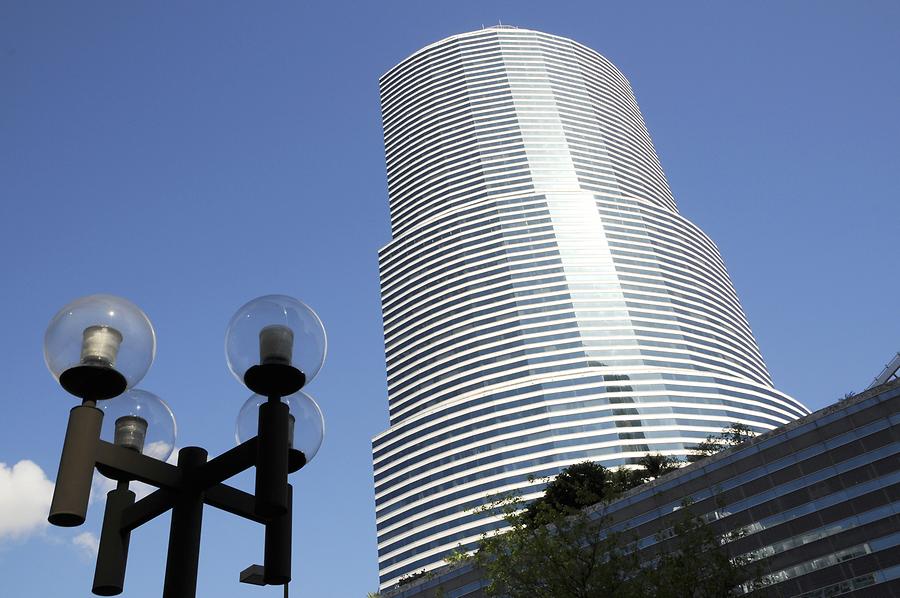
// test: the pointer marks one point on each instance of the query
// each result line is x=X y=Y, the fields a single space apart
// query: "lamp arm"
x=146 y=509
x=234 y=501
x=121 y=463
x=228 y=464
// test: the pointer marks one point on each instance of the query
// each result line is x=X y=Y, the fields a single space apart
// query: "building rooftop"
x=889 y=373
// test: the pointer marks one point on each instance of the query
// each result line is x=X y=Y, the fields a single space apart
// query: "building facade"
x=544 y=302
x=816 y=504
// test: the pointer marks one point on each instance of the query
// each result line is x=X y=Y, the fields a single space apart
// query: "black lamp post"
x=98 y=348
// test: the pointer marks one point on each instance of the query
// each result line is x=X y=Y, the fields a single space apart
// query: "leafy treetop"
x=554 y=549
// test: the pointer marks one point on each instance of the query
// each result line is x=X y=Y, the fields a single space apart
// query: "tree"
x=696 y=565
x=587 y=483
x=623 y=479
x=578 y=486
x=555 y=548
x=656 y=465
x=733 y=435
x=549 y=554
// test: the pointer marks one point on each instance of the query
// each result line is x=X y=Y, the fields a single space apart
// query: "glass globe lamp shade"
x=275 y=330
x=307 y=427
x=108 y=339
x=141 y=421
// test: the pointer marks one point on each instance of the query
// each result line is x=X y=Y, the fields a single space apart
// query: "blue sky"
x=192 y=156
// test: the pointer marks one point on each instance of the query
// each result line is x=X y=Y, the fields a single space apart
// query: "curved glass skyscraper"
x=544 y=302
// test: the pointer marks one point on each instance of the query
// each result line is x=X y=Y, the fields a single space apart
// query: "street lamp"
x=98 y=348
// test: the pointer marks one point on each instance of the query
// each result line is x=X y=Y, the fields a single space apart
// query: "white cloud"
x=159 y=449
x=88 y=543
x=100 y=485
x=25 y=494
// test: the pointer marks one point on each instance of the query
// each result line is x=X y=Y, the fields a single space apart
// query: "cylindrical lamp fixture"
x=275 y=330
x=277 y=555
x=291 y=421
x=276 y=344
x=305 y=429
x=131 y=431
x=272 y=460
x=140 y=421
x=100 y=345
x=112 y=556
x=76 y=467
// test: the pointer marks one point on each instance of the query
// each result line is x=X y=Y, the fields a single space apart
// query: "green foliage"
x=554 y=549
x=552 y=555
x=693 y=565
x=456 y=557
x=406 y=579
x=654 y=466
x=623 y=479
x=576 y=487
x=733 y=435
x=587 y=483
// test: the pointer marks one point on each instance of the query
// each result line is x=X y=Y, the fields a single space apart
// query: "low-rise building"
x=815 y=503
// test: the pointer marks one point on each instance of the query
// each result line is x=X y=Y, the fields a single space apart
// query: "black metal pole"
x=272 y=459
x=76 y=466
x=184 y=532
x=109 y=576
x=277 y=563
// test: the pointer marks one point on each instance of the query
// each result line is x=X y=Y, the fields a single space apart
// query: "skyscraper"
x=544 y=302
